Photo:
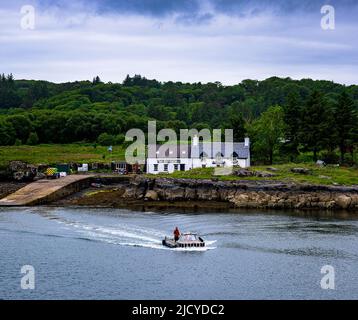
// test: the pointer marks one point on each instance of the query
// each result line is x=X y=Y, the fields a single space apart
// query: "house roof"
x=224 y=149
x=171 y=151
x=208 y=149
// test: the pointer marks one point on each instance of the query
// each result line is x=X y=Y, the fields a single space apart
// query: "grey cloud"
x=190 y=19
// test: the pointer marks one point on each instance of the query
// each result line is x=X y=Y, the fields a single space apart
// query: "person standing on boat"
x=176 y=234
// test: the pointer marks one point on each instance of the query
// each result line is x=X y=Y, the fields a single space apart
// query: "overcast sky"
x=179 y=40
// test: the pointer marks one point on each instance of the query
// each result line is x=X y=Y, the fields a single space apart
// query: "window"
x=176 y=167
x=166 y=167
x=203 y=156
x=219 y=156
x=203 y=166
x=155 y=167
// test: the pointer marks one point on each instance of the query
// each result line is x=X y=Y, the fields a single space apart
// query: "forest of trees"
x=284 y=118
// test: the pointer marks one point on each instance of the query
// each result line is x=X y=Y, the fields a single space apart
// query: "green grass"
x=319 y=175
x=57 y=153
x=86 y=153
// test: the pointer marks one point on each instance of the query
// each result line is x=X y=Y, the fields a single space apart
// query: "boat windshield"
x=188 y=237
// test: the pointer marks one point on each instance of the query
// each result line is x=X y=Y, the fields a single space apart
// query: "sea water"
x=92 y=253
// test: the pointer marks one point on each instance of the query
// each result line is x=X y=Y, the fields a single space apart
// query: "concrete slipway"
x=45 y=191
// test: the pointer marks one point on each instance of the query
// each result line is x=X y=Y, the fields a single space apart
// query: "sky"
x=179 y=40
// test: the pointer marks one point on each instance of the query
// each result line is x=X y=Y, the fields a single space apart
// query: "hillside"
x=34 y=112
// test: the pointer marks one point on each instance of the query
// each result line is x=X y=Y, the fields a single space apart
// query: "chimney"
x=194 y=150
x=247 y=142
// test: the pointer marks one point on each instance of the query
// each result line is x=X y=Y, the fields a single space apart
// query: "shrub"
x=348 y=159
x=330 y=157
x=105 y=139
x=119 y=139
x=33 y=139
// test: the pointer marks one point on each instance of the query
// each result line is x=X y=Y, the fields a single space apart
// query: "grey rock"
x=324 y=177
x=151 y=195
x=320 y=163
x=244 y=173
x=264 y=174
x=17 y=166
x=301 y=170
x=245 y=193
x=343 y=201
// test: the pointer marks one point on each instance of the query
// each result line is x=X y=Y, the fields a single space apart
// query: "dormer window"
x=219 y=156
x=203 y=156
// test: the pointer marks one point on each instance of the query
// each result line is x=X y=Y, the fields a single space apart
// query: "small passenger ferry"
x=186 y=240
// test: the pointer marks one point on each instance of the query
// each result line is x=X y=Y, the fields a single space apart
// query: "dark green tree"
x=267 y=133
x=315 y=132
x=37 y=91
x=346 y=124
x=237 y=123
x=9 y=97
x=33 y=139
x=105 y=139
x=292 y=119
x=22 y=126
x=96 y=80
x=7 y=133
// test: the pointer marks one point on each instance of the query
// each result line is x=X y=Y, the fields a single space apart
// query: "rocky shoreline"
x=8 y=187
x=190 y=193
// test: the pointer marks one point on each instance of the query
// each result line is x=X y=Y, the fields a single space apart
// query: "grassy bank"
x=318 y=175
x=82 y=153
x=57 y=153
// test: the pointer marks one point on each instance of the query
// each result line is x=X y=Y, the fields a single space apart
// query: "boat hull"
x=171 y=243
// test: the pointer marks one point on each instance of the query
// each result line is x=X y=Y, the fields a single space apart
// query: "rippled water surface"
x=83 y=253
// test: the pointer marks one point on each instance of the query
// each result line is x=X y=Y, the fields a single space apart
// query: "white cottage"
x=167 y=159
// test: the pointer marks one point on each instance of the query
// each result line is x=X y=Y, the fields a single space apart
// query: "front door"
x=182 y=167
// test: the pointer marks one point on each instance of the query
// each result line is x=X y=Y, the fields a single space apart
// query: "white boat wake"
x=125 y=235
